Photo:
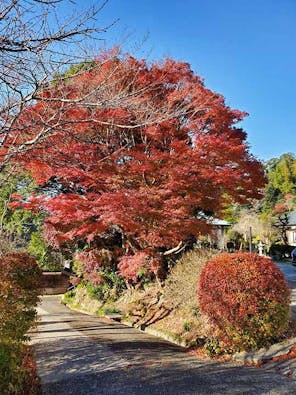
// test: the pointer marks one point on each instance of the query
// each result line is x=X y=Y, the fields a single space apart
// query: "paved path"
x=289 y=272
x=82 y=355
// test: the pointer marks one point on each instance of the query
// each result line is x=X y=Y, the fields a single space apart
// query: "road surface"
x=289 y=272
x=82 y=355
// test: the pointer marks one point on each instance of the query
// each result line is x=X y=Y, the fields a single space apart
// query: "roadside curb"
x=156 y=333
x=265 y=354
x=258 y=357
x=115 y=317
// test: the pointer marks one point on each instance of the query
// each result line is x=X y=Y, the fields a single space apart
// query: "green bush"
x=187 y=326
x=246 y=299
x=107 y=310
x=110 y=288
x=48 y=259
x=12 y=373
x=69 y=296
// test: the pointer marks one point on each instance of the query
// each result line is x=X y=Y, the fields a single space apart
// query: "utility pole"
x=250 y=239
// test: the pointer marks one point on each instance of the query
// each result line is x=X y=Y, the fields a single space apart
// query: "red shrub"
x=19 y=290
x=21 y=270
x=132 y=267
x=31 y=384
x=246 y=299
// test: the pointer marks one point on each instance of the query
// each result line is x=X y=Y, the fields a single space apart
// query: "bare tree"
x=262 y=229
x=36 y=45
x=36 y=48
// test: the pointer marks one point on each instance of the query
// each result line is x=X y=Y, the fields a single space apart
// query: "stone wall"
x=54 y=283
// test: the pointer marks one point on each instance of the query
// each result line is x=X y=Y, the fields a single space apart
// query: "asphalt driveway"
x=80 y=354
x=289 y=272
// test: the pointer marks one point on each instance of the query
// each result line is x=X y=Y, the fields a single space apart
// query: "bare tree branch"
x=33 y=59
x=35 y=46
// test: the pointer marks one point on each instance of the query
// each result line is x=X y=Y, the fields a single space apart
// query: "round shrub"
x=246 y=299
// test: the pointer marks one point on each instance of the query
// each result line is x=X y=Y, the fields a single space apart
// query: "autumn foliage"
x=19 y=289
x=138 y=167
x=246 y=299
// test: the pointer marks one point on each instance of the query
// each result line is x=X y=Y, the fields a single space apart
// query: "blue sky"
x=244 y=49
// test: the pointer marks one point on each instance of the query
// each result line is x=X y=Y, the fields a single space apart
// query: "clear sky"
x=244 y=49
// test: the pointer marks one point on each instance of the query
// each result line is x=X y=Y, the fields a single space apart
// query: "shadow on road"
x=83 y=369
x=78 y=354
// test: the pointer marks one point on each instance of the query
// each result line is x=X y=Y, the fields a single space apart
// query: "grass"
x=107 y=310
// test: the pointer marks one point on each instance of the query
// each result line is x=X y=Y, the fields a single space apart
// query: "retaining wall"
x=54 y=283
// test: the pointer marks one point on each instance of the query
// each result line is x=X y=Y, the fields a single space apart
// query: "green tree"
x=262 y=229
x=16 y=225
x=22 y=229
x=281 y=175
x=48 y=259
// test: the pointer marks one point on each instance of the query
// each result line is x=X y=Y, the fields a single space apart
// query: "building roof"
x=212 y=220
x=219 y=222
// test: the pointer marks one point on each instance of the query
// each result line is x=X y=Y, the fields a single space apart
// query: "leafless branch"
x=35 y=46
x=33 y=60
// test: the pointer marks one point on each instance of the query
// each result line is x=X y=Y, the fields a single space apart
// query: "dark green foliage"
x=214 y=347
x=21 y=228
x=17 y=223
x=12 y=374
x=48 y=259
x=110 y=287
x=272 y=196
x=186 y=326
x=281 y=175
x=282 y=251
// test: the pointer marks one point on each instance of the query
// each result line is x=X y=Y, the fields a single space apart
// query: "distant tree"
x=262 y=229
x=280 y=193
x=48 y=258
x=281 y=175
x=140 y=166
x=16 y=225
x=22 y=229
x=281 y=215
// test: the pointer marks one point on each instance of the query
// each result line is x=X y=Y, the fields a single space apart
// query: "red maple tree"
x=138 y=165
